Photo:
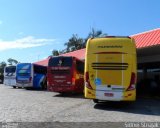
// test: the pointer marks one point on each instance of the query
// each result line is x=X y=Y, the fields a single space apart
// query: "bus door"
x=39 y=76
x=79 y=75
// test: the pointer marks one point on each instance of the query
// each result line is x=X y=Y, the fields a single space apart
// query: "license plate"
x=109 y=94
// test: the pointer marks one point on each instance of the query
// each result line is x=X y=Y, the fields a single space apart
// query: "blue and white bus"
x=10 y=76
x=29 y=75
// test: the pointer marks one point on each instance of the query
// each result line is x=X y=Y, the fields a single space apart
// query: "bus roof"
x=113 y=37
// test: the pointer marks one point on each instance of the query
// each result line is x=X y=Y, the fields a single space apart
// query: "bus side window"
x=80 y=66
x=40 y=69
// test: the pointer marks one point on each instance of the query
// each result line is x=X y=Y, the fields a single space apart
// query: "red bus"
x=65 y=74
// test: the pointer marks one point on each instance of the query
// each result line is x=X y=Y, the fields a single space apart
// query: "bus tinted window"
x=10 y=69
x=40 y=69
x=61 y=61
x=80 y=66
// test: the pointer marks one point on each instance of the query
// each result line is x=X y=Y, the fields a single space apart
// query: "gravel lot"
x=20 y=105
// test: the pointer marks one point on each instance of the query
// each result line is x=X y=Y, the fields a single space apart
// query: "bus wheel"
x=95 y=101
x=14 y=86
x=43 y=86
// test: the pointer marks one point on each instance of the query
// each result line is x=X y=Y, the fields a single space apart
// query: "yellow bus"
x=110 y=69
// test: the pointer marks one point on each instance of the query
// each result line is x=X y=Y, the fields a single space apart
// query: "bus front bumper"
x=110 y=95
x=10 y=82
x=61 y=88
x=24 y=85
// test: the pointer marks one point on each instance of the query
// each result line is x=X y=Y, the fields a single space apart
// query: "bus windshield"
x=10 y=69
x=61 y=61
x=24 y=70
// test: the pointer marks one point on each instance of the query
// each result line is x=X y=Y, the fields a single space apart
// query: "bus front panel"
x=24 y=75
x=10 y=75
x=61 y=74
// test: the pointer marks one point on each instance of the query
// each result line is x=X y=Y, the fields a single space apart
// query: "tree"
x=2 y=65
x=74 y=43
x=55 y=52
x=94 y=34
x=63 y=51
x=12 y=61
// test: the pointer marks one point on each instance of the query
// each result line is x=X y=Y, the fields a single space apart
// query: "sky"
x=31 y=29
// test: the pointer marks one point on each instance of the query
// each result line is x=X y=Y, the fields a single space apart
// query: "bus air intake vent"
x=60 y=71
x=110 y=66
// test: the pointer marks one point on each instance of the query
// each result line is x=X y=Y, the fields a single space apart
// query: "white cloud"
x=26 y=42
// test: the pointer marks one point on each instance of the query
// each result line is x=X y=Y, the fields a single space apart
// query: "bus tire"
x=95 y=101
x=14 y=86
x=43 y=86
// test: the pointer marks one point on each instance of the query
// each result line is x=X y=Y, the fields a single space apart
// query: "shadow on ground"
x=141 y=106
x=70 y=95
x=29 y=89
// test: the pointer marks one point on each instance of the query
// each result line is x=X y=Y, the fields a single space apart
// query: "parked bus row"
x=25 y=75
x=109 y=73
x=63 y=74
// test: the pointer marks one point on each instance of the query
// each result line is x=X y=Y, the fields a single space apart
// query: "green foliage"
x=74 y=43
x=94 y=33
x=55 y=52
x=12 y=61
x=2 y=65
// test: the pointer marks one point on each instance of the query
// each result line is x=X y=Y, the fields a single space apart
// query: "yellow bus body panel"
x=110 y=63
